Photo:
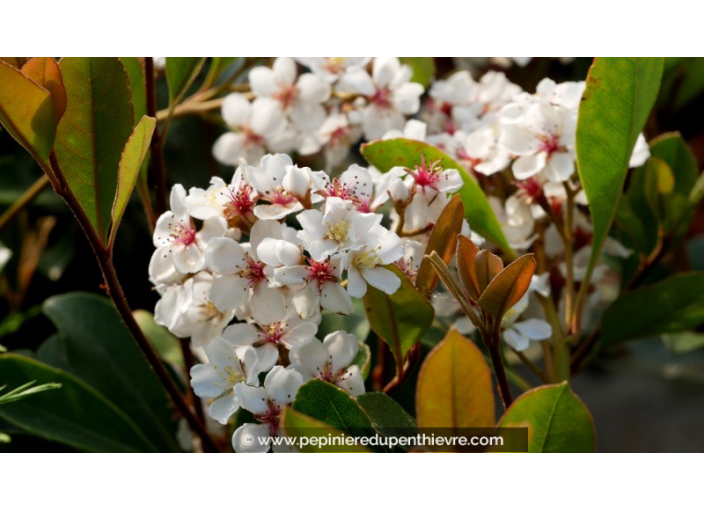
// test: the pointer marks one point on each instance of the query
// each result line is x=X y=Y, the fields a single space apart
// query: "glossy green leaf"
x=423 y=69
x=128 y=170
x=332 y=406
x=386 y=154
x=557 y=420
x=618 y=98
x=93 y=132
x=26 y=112
x=75 y=415
x=164 y=343
x=102 y=353
x=180 y=74
x=443 y=241
x=138 y=85
x=299 y=425
x=454 y=386
x=387 y=417
x=400 y=319
x=669 y=306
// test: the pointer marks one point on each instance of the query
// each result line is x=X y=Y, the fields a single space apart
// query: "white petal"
x=224 y=256
x=343 y=347
x=335 y=299
x=229 y=148
x=205 y=381
x=284 y=70
x=313 y=89
x=516 y=340
x=266 y=304
x=534 y=329
x=294 y=275
x=241 y=334
x=352 y=381
x=250 y=438
x=262 y=81
x=518 y=140
x=222 y=408
x=529 y=165
x=382 y=279
x=236 y=110
x=229 y=292
x=560 y=167
x=356 y=285
x=253 y=399
x=282 y=385
x=309 y=357
x=189 y=259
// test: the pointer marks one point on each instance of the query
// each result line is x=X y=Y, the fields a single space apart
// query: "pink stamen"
x=549 y=144
x=321 y=272
x=382 y=98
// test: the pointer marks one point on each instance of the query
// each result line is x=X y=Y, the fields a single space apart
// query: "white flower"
x=543 y=139
x=268 y=339
x=389 y=92
x=227 y=367
x=254 y=127
x=641 y=152
x=331 y=68
x=318 y=285
x=177 y=240
x=330 y=361
x=301 y=100
x=482 y=151
x=516 y=221
x=413 y=130
x=383 y=247
x=266 y=404
x=413 y=252
x=337 y=134
x=338 y=229
x=519 y=334
x=186 y=310
x=245 y=278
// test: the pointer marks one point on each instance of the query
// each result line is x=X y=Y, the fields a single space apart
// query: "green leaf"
x=386 y=154
x=138 y=85
x=301 y=426
x=164 y=343
x=400 y=319
x=75 y=415
x=443 y=241
x=423 y=69
x=218 y=65
x=26 y=112
x=26 y=390
x=128 y=172
x=93 y=132
x=52 y=352
x=454 y=386
x=680 y=343
x=557 y=420
x=180 y=74
x=669 y=306
x=46 y=74
x=618 y=98
x=332 y=406
x=102 y=353
x=387 y=417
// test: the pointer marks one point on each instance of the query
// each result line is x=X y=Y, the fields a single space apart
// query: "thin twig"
x=157 y=154
x=22 y=202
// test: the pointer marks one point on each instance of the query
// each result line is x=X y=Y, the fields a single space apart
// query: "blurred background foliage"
x=645 y=396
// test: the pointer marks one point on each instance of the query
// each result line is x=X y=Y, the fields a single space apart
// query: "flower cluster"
x=246 y=269
x=329 y=108
x=254 y=306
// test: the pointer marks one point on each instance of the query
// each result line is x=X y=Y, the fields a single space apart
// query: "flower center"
x=427 y=175
x=321 y=272
x=339 y=231
x=241 y=201
x=271 y=418
x=287 y=95
x=367 y=259
x=254 y=272
x=231 y=376
x=548 y=144
x=182 y=234
x=337 y=189
x=382 y=98
x=281 y=197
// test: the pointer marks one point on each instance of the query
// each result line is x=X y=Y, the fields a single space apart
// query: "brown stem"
x=500 y=373
x=22 y=202
x=535 y=368
x=157 y=154
x=117 y=295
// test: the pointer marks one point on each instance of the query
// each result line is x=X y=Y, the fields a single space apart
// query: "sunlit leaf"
x=423 y=69
x=128 y=170
x=618 y=98
x=508 y=287
x=299 y=425
x=93 y=132
x=454 y=386
x=557 y=420
x=46 y=73
x=443 y=240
